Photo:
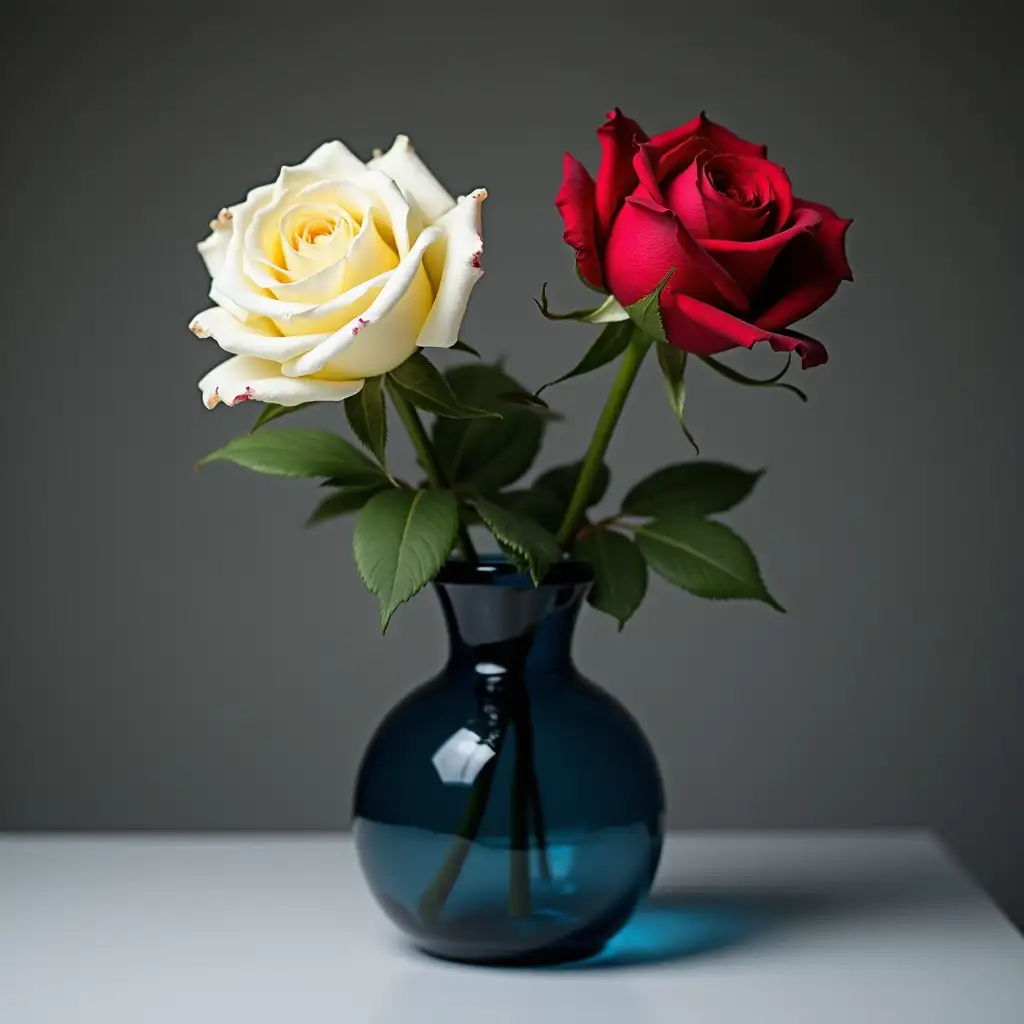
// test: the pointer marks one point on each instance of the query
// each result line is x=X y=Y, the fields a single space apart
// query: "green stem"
x=536 y=808
x=436 y=894
x=519 y=822
x=630 y=366
x=428 y=459
x=525 y=800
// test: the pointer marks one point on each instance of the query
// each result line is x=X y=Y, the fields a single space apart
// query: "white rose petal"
x=241 y=315
x=303 y=256
x=232 y=281
x=398 y=217
x=329 y=160
x=388 y=333
x=402 y=164
x=460 y=272
x=366 y=256
x=245 y=378
x=313 y=236
x=369 y=256
x=257 y=337
x=317 y=288
x=273 y=253
x=332 y=316
x=214 y=247
x=262 y=255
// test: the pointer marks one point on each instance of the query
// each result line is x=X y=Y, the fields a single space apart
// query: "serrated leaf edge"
x=506 y=544
x=386 y=613
x=646 y=531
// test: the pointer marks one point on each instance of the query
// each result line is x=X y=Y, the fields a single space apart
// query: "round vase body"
x=509 y=810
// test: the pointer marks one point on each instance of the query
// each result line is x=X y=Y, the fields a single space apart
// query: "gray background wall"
x=179 y=653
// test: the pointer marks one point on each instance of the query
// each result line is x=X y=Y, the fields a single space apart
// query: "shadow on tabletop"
x=675 y=925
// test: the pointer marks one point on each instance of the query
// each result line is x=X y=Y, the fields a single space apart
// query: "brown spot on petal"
x=213 y=399
x=198 y=330
x=222 y=220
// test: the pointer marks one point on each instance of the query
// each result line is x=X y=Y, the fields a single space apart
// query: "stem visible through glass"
x=525 y=794
x=436 y=894
x=606 y=423
x=519 y=900
x=428 y=459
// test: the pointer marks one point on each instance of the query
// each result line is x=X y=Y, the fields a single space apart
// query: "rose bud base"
x=509 y=811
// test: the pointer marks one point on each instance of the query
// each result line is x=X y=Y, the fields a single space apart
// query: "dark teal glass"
x=509 y=811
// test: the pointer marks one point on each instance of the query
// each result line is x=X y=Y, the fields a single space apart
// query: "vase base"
x=549 y=956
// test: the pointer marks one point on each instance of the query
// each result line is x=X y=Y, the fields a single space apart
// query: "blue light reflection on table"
x=666 y=929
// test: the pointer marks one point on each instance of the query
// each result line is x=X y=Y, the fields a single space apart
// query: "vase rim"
x=498 y=571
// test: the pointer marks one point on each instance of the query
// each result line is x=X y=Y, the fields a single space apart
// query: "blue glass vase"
x=509 y=811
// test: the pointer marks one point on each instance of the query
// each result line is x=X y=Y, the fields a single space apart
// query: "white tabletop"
x=822 y=928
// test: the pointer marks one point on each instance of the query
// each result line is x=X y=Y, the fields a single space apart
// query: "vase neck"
x=509 y=627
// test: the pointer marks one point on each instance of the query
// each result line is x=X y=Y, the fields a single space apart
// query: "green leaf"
x=543 y=506
x=752 y=382
x=672 y=362
x=272 y=411
x=422 y=383
x=530 y=547
x=299 y=453
x=690 y=489
x=524 y=398
x=620 y=572
x=341 y=503
x=703 y=557
x=608 y=312
x=461 y=346
x=401 y=540
x=488 y=454
x=646 y=312
x=609 y=345
x=489 y=386
x=368 y=418
x=561 y=482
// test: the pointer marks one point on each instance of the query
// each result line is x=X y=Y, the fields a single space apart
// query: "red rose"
x=748 y=258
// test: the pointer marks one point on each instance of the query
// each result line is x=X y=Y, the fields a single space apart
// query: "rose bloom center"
x=311 y=227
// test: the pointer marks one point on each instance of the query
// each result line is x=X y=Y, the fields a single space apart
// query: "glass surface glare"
x=509 y=810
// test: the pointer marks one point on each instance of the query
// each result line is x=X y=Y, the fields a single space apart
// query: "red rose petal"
x=723 y=140
x=736 y=199
x=683 y=196
x=811 y=351
x=750 y=262
x=616 y=177
x=679 y=157
x=705 y=330
x=781 y=189
x=808 y=273
x=645 y=172
x=576 y=203
x=647 y=241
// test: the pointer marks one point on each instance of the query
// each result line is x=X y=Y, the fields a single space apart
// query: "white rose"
x=334 y=273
